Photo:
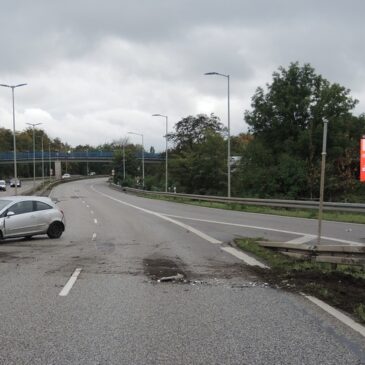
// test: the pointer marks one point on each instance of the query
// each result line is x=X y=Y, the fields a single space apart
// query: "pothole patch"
x=164 y=269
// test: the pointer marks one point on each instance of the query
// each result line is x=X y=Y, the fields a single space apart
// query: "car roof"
x=18 y=198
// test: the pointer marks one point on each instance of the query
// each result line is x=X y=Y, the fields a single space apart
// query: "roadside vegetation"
x=342 y=287
x=280 y=154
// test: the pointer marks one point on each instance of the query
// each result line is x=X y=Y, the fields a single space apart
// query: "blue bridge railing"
x=91 y=155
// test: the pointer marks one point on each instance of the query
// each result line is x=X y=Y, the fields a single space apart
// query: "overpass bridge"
x=90 y=156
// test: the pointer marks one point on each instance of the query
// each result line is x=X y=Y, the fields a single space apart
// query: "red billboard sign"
x=362 y=160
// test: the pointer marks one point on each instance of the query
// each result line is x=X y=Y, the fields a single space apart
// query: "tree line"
x=278 y=157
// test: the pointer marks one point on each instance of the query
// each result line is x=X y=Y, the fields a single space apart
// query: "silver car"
x=27 y=216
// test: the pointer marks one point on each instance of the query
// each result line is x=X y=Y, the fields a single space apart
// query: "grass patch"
x=297 y=213
x=343 y=287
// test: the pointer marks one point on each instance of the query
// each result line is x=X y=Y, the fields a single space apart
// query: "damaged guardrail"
x=334 y=254
x=278 y=203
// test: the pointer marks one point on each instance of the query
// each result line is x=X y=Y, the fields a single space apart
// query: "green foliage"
x=194 y=130
x=283 y=160
x=198 y=161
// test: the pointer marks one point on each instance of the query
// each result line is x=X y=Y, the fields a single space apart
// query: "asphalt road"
x=27 y=185
x=117 y=313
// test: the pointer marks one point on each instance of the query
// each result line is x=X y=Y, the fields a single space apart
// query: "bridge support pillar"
x=57 y=169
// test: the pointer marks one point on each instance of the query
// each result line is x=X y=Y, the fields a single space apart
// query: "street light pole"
x=14 y=138
x=166 y=154
x=321 y=191
x=87 y=162
x=49 y=158
x=33 y=125
x=123 y=162
x=141 y=135
x=229 y=132
x=42 y=161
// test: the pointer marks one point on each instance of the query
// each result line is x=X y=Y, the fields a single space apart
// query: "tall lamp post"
x=141 y=135
x=14 y=139
x=33 y=125
x=166 y=155
x=123 y=161
x=229 y=134
x=42 y=159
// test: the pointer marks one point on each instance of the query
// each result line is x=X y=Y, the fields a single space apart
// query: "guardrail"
x=277 y=203
x=334 y=254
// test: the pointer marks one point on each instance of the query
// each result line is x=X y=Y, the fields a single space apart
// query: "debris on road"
x=176 y=277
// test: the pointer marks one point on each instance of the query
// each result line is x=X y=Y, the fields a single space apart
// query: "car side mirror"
x=9 y=214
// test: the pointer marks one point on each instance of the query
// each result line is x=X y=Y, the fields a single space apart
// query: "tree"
x=287 y=120
x=194 y=130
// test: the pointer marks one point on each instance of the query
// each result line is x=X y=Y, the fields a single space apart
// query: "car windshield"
x=4 y=203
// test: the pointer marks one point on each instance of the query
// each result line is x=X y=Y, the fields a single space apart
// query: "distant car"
x=27 y=216
x=15 y=181
x=2 y=185
x=92 y=173
x=66 y=176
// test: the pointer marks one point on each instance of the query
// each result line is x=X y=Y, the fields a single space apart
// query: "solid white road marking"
x=340 y=316
x=189 y=228
x=303 y=239
x=245 y=258
x=95 y=221
x=93 y=237
x=87 y=206
x=264 y=229
x=66 y=289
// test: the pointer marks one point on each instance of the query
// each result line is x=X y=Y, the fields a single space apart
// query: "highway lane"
x=275 y=228
x=116 y=313
x=26 y=186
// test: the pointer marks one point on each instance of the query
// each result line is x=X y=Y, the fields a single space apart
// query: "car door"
x=23 y=221
x=44 y=213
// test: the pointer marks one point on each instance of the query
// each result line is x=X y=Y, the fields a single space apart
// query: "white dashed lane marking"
x=95 y=221
x=66 y=289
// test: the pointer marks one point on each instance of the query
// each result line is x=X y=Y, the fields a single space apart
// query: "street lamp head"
x=12 y=86
x=33 y=124
x=211 y=73
x=157 y=115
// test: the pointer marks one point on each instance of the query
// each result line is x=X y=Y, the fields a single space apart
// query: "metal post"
x=166 y=163
x=33 y=125
x=123 y=161
x=87 y=162
x=14 y=137
x=229 y=143
x=42 y=161
x=50 y=164
x=229 y=134
x=142 y=161
x=33 y=160
x=14 y=144
x=141 y=135
x=166 y=153
x=323 y=168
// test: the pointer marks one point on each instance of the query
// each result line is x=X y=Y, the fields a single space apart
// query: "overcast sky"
x=98 y=69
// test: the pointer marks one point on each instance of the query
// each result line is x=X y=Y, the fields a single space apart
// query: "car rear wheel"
x=55 y=230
